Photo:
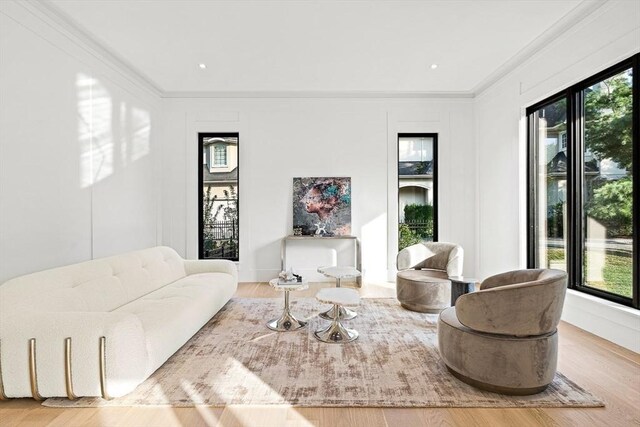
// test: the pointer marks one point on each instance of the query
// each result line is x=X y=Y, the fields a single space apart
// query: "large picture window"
x=218 y=195
x=584 y=203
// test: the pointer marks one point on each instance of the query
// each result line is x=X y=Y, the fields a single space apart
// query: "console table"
x=354 y=239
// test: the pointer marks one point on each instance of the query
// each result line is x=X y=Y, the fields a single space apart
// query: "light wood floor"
x=609 y=371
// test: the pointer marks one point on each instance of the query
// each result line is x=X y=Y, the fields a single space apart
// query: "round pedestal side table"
x=336 y=333
x=339 y=273
x=461 y=285
x=287 y=321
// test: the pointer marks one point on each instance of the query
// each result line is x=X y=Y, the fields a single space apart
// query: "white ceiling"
x=325 y=46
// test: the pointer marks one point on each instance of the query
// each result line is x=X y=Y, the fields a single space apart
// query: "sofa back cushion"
x=99 y=285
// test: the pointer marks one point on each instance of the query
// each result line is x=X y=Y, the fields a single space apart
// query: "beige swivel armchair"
x=504 y=337
x=422 y=282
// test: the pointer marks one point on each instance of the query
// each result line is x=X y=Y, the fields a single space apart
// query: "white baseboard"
x=614 y=322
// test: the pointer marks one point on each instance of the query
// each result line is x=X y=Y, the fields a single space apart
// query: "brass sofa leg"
x=103 y=368
x=67 y=369
x=2 y=395
x=33 y=374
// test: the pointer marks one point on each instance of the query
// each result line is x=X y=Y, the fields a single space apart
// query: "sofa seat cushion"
x=170 y=315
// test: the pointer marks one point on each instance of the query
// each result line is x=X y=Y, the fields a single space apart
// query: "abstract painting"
x=322 y=206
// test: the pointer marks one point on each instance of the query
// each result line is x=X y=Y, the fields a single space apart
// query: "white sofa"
x=125 y=316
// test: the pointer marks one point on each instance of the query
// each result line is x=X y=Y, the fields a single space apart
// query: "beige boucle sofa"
x=101 y=327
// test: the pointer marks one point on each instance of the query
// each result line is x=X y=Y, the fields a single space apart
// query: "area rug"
x=235 y=359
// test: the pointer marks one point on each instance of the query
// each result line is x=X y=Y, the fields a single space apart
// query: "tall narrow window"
x=218 y=195
x=549 y=125
x=417 y=189
x=584 y=199
x=607 y=184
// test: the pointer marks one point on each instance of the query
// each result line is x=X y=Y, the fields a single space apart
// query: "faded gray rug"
x=235 y=359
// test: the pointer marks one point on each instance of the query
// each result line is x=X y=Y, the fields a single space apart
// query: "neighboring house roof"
x=558 y=166
x=415 y=168
x=219 y=140
x=222 y=177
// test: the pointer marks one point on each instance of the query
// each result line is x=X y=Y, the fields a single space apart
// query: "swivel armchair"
x=503 y=338
x=422 y=282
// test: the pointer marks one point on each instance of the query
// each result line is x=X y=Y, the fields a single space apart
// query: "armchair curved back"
x=518 y=303
x=447 y=257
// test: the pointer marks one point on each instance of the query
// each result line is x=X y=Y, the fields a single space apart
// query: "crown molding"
x=50 y=15
x=321 y=94
x=47 y=12
x=563 y=25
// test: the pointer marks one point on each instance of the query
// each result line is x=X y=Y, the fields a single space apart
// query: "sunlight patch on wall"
x=111 y=134
x=83 y=90
x=102 y=137
x=94 y=130
x=141 y=133
x=124 y=134
x=374 y=248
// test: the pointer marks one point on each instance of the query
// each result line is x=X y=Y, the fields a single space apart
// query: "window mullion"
x=532 y=173
x=636 y=182
x=575 y=147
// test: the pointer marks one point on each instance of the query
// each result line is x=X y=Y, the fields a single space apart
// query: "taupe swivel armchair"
x=504 y=337
x=422 y=282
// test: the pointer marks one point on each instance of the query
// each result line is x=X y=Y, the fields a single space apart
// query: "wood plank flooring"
x=608 y=370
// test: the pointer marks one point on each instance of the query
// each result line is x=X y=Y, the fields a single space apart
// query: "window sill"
x=609 y=320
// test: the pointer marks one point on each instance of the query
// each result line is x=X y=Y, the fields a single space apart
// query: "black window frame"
x=575 y=232
x=435 y=175
x=201 y=137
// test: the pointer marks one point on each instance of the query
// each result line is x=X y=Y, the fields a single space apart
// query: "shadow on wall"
x=110 y=135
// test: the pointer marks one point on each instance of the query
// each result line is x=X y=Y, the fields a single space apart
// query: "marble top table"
x=287 y=321
x=336 y=333
x=349 y=297
x=339 y=273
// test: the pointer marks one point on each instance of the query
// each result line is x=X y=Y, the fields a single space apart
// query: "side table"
x=287 y=321
x=461 y=285
x=336 y=333
x=339 y=273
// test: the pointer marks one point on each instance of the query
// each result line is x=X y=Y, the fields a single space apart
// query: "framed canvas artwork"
x=322 y=206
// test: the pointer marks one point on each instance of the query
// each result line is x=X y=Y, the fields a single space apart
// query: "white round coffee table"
x=336 y=333
x=287 y=321
x=339 y=273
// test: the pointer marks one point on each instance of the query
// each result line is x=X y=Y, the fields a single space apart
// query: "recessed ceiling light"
x=434 y=66
x=202 y=66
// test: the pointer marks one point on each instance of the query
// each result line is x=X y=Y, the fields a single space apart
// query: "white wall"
x=285 y=138
x=605 y=37
x=78 y=163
